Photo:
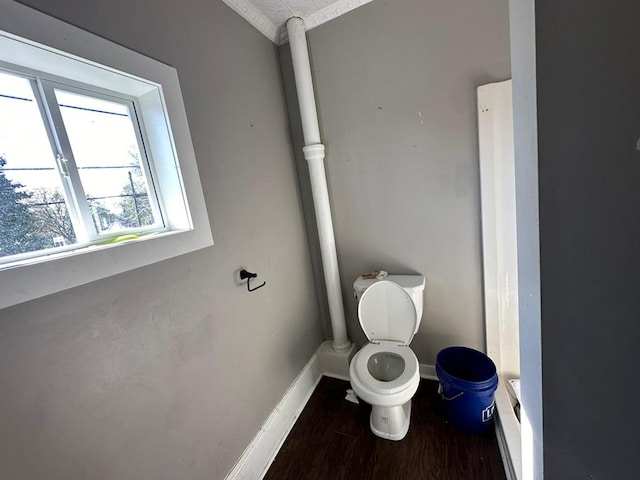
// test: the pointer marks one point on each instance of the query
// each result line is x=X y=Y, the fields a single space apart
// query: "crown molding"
x=278 y=33
x=255 y=17
x=332 y=11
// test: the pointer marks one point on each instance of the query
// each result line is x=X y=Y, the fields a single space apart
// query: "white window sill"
x=71 y=269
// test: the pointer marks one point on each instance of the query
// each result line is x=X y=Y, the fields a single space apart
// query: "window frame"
x=44 y=87
x=30 y=40
x=61 y=132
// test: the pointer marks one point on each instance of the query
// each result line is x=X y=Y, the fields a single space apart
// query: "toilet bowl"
x=385 y=373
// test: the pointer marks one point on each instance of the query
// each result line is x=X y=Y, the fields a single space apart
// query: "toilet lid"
x=386 y=312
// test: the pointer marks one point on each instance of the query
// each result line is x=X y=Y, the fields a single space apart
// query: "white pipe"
x=314 y=154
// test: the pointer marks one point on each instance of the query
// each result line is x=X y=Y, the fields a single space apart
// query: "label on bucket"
x=487 y=413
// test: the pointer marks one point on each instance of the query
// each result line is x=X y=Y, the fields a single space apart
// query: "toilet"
x=385 y=373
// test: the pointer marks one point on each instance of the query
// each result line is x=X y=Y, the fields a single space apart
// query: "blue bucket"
x=468 y=381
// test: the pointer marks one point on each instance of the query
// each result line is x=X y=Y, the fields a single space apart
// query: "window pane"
x=33 y=213
x=106 y=151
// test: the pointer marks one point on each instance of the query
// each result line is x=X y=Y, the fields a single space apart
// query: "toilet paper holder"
x=246 y=275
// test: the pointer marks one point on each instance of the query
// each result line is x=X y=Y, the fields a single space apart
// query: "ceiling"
x=270 y=16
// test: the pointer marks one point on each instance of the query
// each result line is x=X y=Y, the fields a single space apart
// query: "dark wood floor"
x=332 y=440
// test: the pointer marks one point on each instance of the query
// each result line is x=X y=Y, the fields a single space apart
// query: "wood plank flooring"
x=332 y=440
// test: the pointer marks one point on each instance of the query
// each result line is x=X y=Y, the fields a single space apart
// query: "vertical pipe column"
x=314 y=154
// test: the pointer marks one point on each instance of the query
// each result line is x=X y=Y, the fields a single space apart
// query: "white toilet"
x=385 y=373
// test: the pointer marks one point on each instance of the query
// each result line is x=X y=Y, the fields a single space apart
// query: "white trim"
x=324 y=15
x=335 y=364
x=278 y=33
x=499 y=242
x=336 y=376
x=500 y=258
x=258 y=456
x=525 y=128
x=251 y=14
x=504 y=452
x=428 y=372
x=508 y=434
x=332 y=11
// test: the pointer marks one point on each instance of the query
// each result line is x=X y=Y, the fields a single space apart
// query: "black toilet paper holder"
x=245 y=275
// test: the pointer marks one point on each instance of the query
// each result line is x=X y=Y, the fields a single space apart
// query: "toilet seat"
x=407 y=378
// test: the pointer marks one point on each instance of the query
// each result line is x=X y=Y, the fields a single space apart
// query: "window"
x=73 y=168
x=97 y=170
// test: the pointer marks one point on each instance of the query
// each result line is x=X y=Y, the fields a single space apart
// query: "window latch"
x=62 y=162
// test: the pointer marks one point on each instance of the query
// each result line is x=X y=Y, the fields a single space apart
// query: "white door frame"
x=523 y=72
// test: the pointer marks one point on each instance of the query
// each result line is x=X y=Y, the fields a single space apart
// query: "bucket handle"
x=441 y=393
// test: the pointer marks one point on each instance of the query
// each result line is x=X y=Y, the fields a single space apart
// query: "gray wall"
x=589 y=171
x=396 y=92
x=168 y=371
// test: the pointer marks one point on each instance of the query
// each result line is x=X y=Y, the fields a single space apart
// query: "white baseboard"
x=258 y=456
x=504 y=453
x=335 y=364
x=508 y=434
x=428 y=371
x=336 y=376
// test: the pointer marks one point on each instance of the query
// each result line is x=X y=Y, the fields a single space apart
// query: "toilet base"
x=390 y=423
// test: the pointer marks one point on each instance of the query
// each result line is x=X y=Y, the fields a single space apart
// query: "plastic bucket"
x=468 y=381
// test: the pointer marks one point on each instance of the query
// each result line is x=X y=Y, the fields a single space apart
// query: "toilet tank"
x=412 y=284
